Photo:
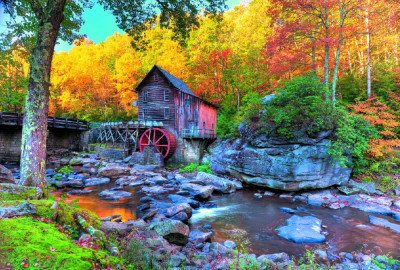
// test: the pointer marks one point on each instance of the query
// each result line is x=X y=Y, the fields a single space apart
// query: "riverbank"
x=173 y=213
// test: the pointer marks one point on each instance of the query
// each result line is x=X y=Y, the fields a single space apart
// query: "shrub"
x=302 y=104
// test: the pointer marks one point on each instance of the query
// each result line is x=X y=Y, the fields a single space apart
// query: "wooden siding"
x=155 y=104
x=185 y=110
x=208 y=115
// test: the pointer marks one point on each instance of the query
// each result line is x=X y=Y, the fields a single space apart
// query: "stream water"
x=347 y=229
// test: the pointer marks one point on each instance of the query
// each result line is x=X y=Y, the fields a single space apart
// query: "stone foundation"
x=106 y=152
x=60 y=142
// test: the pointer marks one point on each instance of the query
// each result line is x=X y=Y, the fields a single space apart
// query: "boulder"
x=155 y=190
x=268 y=160
x=302 y=230
x=113 y=171
x=199 y=236
x=24 y=209
x=182 y=207
x=20 y=192
x=79 y=161
x=221 y=185
x=96 y=181
x=174 y=231
x=275 y=257
x=79 y=192
x=384 y=223
x=6 y=175
x=118 y=227
x=181 y=199
x=75 y=181
x=355 y=187
x=199 y=192
x=218 y=249
x=126 y=180
x=114 y=194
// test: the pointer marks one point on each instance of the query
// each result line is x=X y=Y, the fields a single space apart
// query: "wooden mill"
x=170 y=117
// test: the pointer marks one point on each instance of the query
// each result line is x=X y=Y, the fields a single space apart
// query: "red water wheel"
x=162 y=139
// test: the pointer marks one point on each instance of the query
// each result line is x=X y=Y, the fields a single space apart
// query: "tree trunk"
x=34 y=131
x=368 y=54
x=326 y=60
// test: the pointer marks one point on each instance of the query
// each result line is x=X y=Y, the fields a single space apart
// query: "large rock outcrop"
x=268 y=160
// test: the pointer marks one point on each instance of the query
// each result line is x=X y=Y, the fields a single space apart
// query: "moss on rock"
x=29 y=242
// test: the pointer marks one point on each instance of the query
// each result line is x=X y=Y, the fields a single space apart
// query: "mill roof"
x=176 y=82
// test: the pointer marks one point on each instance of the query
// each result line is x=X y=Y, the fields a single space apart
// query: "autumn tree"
x=41 y=21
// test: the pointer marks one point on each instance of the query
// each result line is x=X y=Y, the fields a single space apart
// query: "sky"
x=100 y=24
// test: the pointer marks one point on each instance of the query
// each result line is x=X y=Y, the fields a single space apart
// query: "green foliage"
x=64 y=170
x=27 y=242
x=197 y=167
x=301 y=105
x=352 y=136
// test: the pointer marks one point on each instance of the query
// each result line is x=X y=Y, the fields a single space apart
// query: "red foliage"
x=377 y=114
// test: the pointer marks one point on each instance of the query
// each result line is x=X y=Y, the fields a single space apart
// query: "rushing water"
x=347 y=229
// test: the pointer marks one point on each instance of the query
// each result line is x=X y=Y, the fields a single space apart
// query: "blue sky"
x=100 y=24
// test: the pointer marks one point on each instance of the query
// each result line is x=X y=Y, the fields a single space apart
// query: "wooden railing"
x=16 y=119
x=198 y=133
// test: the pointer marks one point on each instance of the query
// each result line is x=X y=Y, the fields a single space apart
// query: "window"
x=145 y=96
x=204 y=124
x=166 y=95
x=166 y=113
x=156 y=77
x=187 y=102
x=212 y=126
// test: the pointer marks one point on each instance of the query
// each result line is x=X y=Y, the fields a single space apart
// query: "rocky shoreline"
x=170 y=197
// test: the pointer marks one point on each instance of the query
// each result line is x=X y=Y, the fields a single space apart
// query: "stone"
x=6 y=176
x=177 y=259
x=136 y=183
x=229 y=244
x=305 y=229
x=154 y=190
x=96 y=181
x=267 y=160
x=384 y=223
x=397 y=191
x=110 y=218
x=126 y=180
x=118 y=227
x=114 y=194
x=275 y=257
x=269 y=193
x=182 y=207
x=396 y=203
x=75 y=181
x=267 y=99
x=287 y=210
x=22 y=192
x=113 y=171
x=78 y=161
x=199 y=236
x=221 y=185
x=24 y=209
x=174 y=231
x=146 y=199
x=140 y=168
x=181 y=199
x=355 y=187
x=198 y=191
x=79 y=192
x=218 y=249
x=181 y=216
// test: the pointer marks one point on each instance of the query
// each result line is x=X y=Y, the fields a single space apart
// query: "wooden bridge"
x=16 y=119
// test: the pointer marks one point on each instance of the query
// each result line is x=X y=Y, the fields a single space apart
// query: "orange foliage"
x=377 y=114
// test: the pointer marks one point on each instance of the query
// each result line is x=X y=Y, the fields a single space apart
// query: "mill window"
x=156 y=77
x=145 y=96
x=145 y=112
x=204 y=124
x=166 y=113
x=166 y=95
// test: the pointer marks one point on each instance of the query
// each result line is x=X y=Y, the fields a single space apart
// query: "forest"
x=308 y=121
